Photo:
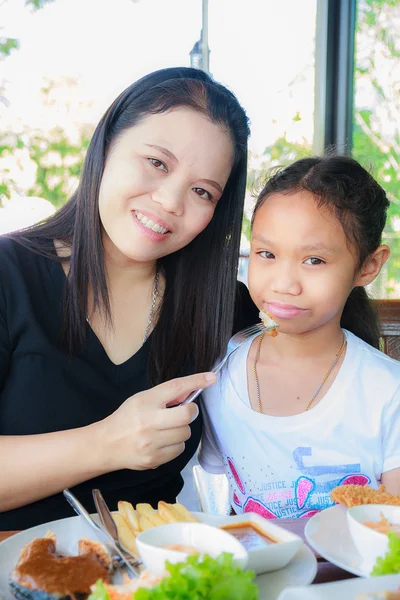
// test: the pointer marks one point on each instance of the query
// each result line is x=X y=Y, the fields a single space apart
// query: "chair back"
x=389 y=316
x=212 y=491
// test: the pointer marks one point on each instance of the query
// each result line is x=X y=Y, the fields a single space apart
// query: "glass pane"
x=264 y=51
x=376 y=134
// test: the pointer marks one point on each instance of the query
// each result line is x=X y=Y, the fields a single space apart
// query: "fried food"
x=269 y=322
x=168 y=513
x=131 y=522
x=146 y=510
x=145 y=523
x=354 y=495
x=126 y=534
x=184 y=513
x=128 y=512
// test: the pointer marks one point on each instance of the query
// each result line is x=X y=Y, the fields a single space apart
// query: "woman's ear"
x=372 y=266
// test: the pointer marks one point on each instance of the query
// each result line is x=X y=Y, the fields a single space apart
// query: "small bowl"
x=203 y=538
x=269 y=557
x=371 y=544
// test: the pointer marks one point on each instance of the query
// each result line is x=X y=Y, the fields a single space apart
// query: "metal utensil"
x=112 y=546
x=110 y=527
x=234 y=343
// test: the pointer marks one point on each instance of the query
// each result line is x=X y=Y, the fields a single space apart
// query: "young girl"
x=317 y=406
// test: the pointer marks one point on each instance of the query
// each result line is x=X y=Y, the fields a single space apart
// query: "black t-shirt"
x=42 y=390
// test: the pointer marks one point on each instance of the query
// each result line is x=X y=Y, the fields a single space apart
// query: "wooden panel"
x=389 y=315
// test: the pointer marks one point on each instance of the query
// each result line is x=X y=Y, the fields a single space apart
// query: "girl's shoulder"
x=372 y=360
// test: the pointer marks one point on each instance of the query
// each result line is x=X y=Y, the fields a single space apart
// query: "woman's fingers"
x=179 y=388
x=168 y=453
x=170 y=437
x=144 y=432
x=178 y=416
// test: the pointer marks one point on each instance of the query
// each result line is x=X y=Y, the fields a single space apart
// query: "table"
x=326 y=570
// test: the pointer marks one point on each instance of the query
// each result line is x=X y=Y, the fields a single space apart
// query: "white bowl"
x=204 y=538
x=269 y=557
x=370 y=543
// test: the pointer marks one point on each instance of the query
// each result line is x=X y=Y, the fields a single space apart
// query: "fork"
x=234 y=343
x=119 y=556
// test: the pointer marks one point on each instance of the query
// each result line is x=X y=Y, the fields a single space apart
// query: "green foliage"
x=56 y=181
x=7 y=45
x=373 y=147
x=36 y=4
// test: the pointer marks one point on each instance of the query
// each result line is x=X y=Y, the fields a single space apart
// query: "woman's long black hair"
x=196 y=315
x=360 y=204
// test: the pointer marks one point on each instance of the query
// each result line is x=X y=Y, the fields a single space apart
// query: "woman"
x=130 y=285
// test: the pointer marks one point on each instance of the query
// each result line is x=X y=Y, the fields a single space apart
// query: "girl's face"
x=302 y=268
x=162 y=181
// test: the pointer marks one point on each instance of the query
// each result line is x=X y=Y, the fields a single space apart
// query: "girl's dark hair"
x=196 y=316
x=360 y=204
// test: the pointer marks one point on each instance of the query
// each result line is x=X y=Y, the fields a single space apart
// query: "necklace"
x=152 y=308
x=315 y=394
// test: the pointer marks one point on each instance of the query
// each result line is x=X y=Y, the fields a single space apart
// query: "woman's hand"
x=144 y=433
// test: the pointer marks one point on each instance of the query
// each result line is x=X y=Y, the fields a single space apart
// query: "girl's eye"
x=202 y=193
x=158 y=164
x=266 y=254
x=314 y=261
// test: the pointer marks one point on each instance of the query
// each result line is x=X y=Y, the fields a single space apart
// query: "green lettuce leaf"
x=201 y=578
x=390 y=563
x=99 y=592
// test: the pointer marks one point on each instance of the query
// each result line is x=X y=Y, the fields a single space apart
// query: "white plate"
x=328 y=533
x=345 y=590
x=300 y=571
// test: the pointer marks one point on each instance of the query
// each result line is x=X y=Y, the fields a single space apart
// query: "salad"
x=390 y=563
x=197 y=578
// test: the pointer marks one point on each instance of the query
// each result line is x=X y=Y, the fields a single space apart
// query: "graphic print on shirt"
x=296 y=496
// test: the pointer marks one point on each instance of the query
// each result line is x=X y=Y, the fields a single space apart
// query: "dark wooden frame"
x=389 y=315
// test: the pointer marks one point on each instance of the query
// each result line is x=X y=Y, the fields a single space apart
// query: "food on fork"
x=269 y=322
x=41 y=573
x=131 y=522
x=354 y=495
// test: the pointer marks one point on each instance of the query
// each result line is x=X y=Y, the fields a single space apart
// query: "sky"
x=261 y=49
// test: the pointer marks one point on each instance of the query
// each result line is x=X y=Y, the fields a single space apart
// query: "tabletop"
x=326 y=570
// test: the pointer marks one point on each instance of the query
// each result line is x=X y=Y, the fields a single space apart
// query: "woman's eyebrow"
x=167 y=153
x=214 y=184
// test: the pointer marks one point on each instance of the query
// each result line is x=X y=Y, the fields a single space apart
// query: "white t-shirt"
x=286 y=466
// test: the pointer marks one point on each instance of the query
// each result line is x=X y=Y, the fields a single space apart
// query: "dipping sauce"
x=250 y=535
x=182 y=548
x=383 y=526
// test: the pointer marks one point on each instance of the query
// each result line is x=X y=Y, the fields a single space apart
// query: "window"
x=376 y=129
